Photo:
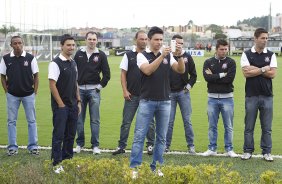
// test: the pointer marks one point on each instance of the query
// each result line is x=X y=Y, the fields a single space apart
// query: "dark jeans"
x=64 y=127
x=264 y=105
x=129 y=110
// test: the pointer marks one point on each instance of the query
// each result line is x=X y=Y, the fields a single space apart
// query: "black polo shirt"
x=19 y=72
x=156 y=86
x=259 y=85
x=66 y=80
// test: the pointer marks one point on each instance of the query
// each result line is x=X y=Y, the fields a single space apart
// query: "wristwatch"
x=262 y=69
x=178 y=57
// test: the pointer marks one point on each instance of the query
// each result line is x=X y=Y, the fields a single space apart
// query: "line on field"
x=128 y=151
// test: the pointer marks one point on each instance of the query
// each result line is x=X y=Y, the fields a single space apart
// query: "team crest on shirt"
x=165 y=61
x=25 y=63
x=95 y=59
x=185 y=60
x=267 y=59
x=224 y=66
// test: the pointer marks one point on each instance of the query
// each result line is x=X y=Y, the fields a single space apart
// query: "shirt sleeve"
x=172 y=60
x=3 y=67
x=53 y=71
x=124 y=63
x=141 y=59
x=244 y=60
x=34 y=66
x=273 y=62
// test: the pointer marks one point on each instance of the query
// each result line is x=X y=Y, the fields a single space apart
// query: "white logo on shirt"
x=267 y=59
x=65 y=68
x=25 y=63
x=165 y=61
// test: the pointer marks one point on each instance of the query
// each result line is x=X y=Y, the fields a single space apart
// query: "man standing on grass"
x=90 y=63
x=155 y=64
x=259 y=67
x=19 y=78
x=131 y=85
x=65 y=102
x=219 y=72
x=181 y=85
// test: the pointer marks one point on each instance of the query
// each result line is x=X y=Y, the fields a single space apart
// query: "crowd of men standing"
x=154 y=79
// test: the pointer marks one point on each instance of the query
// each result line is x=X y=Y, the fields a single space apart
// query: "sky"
x=55 y=14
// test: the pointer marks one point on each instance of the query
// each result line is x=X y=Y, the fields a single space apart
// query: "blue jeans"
x=225 y=106
x=13 y=104
x=146 y=112
x=264 y=105
x=92 y=98
x=129 y=110
x=184 y=101
x=64 y=126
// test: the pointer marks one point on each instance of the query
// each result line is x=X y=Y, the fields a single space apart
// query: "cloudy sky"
x=43 y=14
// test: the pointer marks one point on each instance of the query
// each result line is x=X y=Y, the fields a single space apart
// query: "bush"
x=89 y=170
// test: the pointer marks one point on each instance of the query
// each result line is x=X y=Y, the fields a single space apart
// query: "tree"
x=220 y=36
x=215 y=29
x=255 y=22
x=5 y=30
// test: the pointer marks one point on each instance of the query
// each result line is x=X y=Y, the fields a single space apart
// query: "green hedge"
x=87 y=170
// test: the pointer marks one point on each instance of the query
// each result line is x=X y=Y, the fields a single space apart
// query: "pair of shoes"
x=158 y=173
x=12 y=152
x=96 y=151
x=34 y=152
x=118 y=151
x=150 y=150
x=77 y=149
x=231 y=154
x=246 y=156
x=58 y=169
x=209 y=153
x=167 y=150
x=192 y=151
x=134 y=174
x=268 y=157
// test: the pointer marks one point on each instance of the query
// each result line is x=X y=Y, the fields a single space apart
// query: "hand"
x=79 y=107
x=266 y=68
x=126 y=95
x=165 y=51
x=62 y=105
x=208 y=71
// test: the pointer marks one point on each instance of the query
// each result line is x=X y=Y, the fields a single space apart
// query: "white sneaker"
x=209 y=153
x=58 y=169
x=192 y=151
x=231 y=154
x=134 y=174
x=268 y=157
x=159 y=173
x=96 y=151
x=246 y=156
x=77 y=149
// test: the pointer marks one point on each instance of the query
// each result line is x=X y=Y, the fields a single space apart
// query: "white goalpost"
x=37 y=44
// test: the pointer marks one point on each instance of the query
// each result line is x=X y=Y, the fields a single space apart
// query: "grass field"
x=111 y=111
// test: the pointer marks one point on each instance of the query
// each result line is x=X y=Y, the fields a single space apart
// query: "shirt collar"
x=83 y=49
x=148 y=50
x=12 y=54
x=63 y=58
x=254 y=50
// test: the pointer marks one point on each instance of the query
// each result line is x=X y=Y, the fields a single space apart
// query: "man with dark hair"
x=181 y=85
x=65 y=102
x=19 y=78
x=155 y=64
x=90 y=63
x=259 y=68
x=219 y=72
x=131 y=85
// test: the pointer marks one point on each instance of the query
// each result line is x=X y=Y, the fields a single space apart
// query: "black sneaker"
x=166 y=150
x=34 y=152
x=12 y=152
x=150 y=150
x=118 y=151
